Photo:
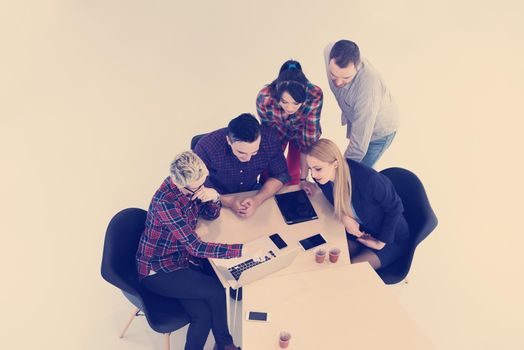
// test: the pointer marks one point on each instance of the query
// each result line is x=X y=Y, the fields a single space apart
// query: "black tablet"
x=295 y=207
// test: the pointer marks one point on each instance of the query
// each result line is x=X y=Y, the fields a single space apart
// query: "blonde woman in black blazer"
x=365 y=201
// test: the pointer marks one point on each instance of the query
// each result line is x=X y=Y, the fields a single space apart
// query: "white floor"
x=96 y=97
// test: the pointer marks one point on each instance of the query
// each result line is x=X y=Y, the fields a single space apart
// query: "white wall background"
x=96 y=97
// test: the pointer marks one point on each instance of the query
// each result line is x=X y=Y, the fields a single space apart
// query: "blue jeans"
x=376 y=148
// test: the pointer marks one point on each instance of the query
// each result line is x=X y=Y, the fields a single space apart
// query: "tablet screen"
x=295 y=207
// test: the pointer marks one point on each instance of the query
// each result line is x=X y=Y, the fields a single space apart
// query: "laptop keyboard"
x=237 y=270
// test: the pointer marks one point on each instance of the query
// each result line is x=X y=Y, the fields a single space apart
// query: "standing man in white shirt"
x=368 y=109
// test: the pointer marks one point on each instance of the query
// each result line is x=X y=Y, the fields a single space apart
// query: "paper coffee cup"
x=320 y=256
x=334 y=253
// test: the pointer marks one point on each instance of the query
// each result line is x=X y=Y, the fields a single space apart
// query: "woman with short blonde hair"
x=172 y=258
x=187 y=167
x=365 y=201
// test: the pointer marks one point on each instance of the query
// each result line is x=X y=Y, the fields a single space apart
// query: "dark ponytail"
x=292 y=80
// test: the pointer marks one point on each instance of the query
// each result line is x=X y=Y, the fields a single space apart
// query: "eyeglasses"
x=193 y=191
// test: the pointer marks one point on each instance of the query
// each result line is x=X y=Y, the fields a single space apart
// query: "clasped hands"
x=244 y=207
x=247 y=206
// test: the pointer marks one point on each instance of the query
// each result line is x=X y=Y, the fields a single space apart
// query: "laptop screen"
x=295 y=207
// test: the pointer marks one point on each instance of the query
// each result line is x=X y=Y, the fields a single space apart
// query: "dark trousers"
x=202 y=296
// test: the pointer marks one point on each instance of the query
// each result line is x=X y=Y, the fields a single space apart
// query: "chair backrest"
x=120 y=246
x=163 y=314
x=419 y=215
x=195 y=140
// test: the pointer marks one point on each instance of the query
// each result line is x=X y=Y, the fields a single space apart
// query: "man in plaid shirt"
x=171 y=256
x=237 y=155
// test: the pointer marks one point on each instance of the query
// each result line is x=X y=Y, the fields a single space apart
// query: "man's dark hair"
x=345 y=52
x=245 y=128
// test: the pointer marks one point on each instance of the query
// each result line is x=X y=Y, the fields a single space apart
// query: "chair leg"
x=133 y=315
x=166 y=341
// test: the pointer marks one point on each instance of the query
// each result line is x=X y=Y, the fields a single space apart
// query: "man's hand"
x=371 y=242
x=233 y=203
x=205 y=194
x=352 y=226
x=241 y=207
x=309 y=187
x=248 y=207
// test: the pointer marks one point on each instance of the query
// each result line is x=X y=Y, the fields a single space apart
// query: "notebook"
x=295 y=207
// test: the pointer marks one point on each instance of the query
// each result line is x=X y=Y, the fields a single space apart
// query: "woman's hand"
x=309 y=187
x=205 y=194
x=371 y=242
x=352 y=226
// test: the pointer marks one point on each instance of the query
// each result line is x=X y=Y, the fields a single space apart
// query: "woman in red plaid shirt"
x=172 y=258
x=291 y=104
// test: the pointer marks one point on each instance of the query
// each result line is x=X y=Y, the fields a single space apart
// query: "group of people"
x=248 y=155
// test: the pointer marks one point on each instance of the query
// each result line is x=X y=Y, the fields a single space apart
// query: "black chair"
x=195 y=140
x=164 y=315
x=419 y=215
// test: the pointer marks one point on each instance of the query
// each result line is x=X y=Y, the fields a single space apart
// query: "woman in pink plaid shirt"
x=291 y=105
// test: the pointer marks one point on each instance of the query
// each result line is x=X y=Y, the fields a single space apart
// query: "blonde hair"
x=187 y=168
x=327 y=151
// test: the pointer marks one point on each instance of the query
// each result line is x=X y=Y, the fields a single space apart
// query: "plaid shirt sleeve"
x=270 y=114
x=311 y=113
x=171 y=216
x=145 y=251
x=264 y=113
x=277 y=167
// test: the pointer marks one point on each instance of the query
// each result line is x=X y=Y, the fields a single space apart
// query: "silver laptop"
x=241 y=271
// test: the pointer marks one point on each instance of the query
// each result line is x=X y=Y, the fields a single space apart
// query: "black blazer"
x=375 y=202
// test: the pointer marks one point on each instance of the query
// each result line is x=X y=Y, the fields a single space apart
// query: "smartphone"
x=279 y=242
x=312 y=242
x=257 y=316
